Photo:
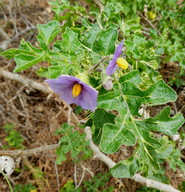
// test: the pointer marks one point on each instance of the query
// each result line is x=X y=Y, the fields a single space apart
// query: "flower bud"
x=108 y=84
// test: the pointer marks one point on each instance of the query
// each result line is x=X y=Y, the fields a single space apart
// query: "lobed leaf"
x=24 y=61
x=162 y=122
x=158 y=93
x=47 y=32
x=126 y=168
x=100 y=118
x=105 y=42
x=70 y=42
x=113 y=136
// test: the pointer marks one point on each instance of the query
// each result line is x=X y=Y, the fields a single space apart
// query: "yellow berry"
x=151 y=15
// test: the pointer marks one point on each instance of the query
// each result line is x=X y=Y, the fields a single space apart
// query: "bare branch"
x=6 y=41
x=26 y=81
x=4 y=45
x=136 y=177
x=29 y=152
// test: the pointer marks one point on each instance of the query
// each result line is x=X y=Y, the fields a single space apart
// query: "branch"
x=99 y=4
x=4 y=34
x=95 y=66
x=28 y=152
x=136 y=177
x=24 y=80
x=8 y=40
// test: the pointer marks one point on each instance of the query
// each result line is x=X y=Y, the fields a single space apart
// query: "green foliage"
x=146 y=189
x=84 y=42
x=127 y=128
x=104 y=41
x=64 y=11
x=175 y=160
x=101 y=117
x=47 y=33
x=182 y=186
x=13 y=138
x=71 y=142
x=23 y=187
x=98 y=183
x=69 y=186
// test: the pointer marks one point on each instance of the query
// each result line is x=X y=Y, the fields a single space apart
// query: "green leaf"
x=105 y=42
x=54 y=71
x=72 y=142
x=109 y=101
x=25 y=45
x=126 y=168
x=159 y=51
x=163 y=122
x=92 y=35
x=113 y=136
x=100 y=118
x=164 y=152
x=157 y=94
x=25 y=48
x=132 y=77
x=24 y=61
x=70 y=43
x=47 y=32
x=10 y=53
x=160 y=93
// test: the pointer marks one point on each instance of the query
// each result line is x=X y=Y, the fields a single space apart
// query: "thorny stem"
x=95 y=66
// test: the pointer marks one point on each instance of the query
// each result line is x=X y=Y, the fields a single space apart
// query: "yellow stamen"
x=77 y=88
x=122 y=63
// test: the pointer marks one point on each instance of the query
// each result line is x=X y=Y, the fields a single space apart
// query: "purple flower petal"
x=63 y=85
x=112 y=64
x=111 y=67
x=118 y=51
x=88 y=98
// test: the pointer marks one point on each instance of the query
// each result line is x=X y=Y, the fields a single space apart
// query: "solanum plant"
x=103 y=62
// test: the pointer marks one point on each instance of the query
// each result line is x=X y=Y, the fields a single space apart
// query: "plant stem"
x=8 y=182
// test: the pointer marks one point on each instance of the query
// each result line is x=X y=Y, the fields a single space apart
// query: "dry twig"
x=29 y=152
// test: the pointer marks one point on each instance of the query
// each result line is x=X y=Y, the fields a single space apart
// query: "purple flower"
x=73 y=90
x=117 y=61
